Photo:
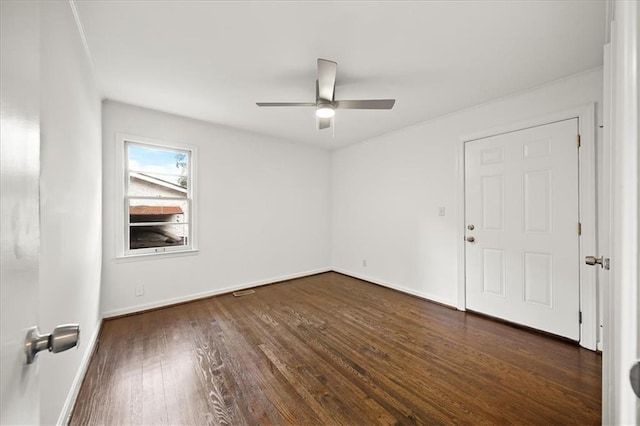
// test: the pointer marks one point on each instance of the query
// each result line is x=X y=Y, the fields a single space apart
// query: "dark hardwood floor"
x=330 y=349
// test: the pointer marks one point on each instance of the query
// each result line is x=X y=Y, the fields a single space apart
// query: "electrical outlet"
x=364 y=262
x=441 y=211
x=139 y=290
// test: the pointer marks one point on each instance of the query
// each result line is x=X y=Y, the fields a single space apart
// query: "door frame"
x=587 y=209
x=621 y=341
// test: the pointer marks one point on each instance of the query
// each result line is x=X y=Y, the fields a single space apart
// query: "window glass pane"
x=157 y=236
x=157 y=171
x=150 y=211
x=158 y=198
x=158 y=223
x=142 y=185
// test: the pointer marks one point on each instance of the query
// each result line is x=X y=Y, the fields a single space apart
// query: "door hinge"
x=578 y=141
x=580 y=317
x=579 y=228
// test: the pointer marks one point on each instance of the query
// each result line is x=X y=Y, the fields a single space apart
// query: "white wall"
x=263 y=212
x=71 y=201
x=387 y=191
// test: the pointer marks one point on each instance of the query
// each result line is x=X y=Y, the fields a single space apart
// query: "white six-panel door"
x=521 y=211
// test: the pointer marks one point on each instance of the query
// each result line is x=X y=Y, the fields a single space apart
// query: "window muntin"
x=158 y=198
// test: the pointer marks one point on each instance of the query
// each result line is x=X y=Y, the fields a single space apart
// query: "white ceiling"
x=213 y=60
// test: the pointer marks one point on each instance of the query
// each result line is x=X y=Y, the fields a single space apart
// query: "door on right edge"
x=521 y=218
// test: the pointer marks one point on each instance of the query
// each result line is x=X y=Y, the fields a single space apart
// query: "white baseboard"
x=401 y=289
x=181 y=299
x=70 y=401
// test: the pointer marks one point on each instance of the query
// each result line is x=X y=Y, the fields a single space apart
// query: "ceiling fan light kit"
x=325 y=110
x=325 y=103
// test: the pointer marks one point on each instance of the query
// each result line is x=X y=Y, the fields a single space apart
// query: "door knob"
x=634 y=376
x=592 y=260
x=470 y=239
x=602 y=261
x=63 y=337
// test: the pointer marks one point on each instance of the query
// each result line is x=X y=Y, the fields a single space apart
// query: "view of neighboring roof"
x=154 y=210
x=154 y=180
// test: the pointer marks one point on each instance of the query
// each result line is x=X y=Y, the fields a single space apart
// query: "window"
x=158 y=198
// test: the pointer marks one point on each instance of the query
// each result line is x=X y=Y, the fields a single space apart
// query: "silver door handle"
x=604 y=262
x=470 y=239
x=62 y=337
x=592 y=260
x=634 y=376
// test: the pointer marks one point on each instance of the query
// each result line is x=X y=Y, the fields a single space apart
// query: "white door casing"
x=605 y=239
x=522 y=200
x=588 y=275
x=19 y=233
x=622 y=323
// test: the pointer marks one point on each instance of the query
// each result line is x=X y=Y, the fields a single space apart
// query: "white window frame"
x=122 y=199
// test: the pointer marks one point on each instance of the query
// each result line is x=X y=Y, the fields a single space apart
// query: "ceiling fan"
x=325 y=104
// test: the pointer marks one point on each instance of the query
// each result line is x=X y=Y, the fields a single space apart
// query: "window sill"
x=151 y=256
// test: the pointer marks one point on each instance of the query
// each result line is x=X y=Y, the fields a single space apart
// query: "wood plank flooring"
x=331 y=349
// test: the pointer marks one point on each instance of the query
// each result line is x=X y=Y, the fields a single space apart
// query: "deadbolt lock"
x=470 y=227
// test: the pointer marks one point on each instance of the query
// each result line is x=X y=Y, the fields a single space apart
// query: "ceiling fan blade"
x=324 y=123
x=326 y=79
x=285 y=104
x=366 y=104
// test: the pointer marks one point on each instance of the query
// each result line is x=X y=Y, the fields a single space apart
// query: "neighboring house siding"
x=141 y=188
